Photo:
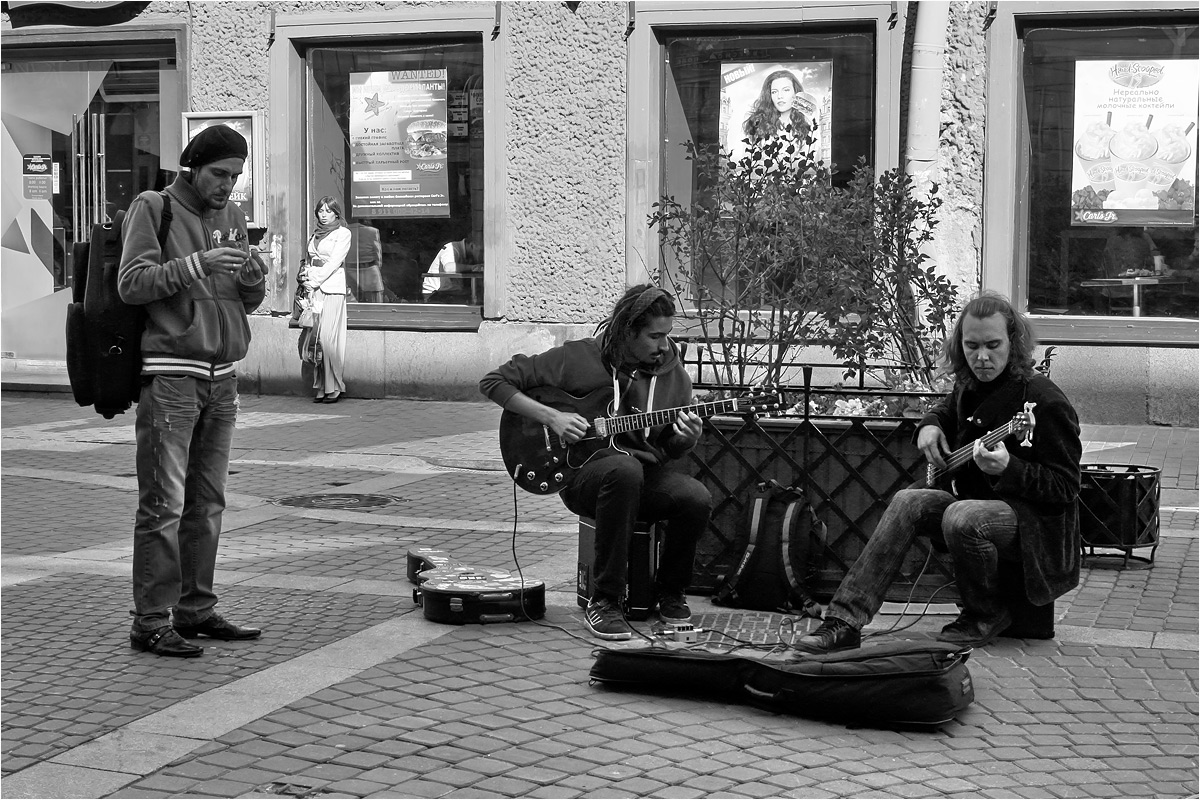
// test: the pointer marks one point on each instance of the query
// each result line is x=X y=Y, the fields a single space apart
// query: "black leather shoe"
x=217 y=627
x=974 y=632
x=832 y=636
x=164 y=642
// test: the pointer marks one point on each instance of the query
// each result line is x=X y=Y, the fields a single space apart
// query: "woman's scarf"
x=324 y=230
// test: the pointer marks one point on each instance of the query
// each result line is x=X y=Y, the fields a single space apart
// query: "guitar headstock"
x=764 y=401
x=1024 y=423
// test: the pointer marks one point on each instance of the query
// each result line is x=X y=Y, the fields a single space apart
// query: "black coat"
x=1040 y=483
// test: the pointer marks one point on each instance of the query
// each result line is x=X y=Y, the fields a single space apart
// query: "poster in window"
x=398 y=140
x=246 y=194
x=758 y=99
x=1134 y=142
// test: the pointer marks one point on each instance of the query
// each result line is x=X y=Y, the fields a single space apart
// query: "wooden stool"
x=643 y=567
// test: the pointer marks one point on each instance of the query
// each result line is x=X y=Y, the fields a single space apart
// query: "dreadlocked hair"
x=630 y=315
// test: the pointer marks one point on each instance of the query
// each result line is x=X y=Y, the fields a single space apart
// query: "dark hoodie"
x=577 y=368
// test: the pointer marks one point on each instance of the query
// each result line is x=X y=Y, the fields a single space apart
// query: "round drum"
x=1118 y=507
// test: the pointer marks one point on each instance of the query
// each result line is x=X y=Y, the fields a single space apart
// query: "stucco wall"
x=960 y=153
x=565 y=106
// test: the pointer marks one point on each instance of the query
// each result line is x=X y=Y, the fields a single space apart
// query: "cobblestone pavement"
x=351 y=692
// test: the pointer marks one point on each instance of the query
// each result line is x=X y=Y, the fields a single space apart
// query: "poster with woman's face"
x=758 y=99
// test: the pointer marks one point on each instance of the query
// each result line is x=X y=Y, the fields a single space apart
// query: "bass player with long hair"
x=1014 y=499
x=634 y=365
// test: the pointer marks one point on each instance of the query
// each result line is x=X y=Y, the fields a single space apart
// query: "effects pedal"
x=684 y=632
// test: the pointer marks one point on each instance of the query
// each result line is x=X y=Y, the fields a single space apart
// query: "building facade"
x=538 y=136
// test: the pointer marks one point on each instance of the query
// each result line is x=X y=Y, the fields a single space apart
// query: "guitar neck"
x=965 y=453
x=611 y=426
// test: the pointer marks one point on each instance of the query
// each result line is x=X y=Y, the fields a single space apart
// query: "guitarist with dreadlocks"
x=636 y=367
x=1013 y=500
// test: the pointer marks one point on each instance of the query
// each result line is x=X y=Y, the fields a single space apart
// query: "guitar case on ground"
x=459 y=597
x=896 y=685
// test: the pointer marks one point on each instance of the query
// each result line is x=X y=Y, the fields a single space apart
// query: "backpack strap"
x=793 y=539
x=164 y=220
x=728 y=591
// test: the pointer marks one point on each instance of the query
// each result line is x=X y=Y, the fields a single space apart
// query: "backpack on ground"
x=104 y=333
x=783 y=539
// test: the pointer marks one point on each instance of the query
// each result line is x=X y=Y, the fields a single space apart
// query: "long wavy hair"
x=630 y=315
x=1021 y=338
x=763 y=120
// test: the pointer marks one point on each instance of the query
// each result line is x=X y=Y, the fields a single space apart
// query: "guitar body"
x=539 y=462
x=533 y=454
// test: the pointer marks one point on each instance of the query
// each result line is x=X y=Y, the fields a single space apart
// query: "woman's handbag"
x=305 y=317
x=310 y=347
x=302 y=301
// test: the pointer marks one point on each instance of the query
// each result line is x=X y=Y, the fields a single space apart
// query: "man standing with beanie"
x=197 y=290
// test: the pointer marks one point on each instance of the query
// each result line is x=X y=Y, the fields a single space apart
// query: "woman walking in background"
x=326 y=278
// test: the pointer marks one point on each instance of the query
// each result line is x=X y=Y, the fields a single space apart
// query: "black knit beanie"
x=213 y=144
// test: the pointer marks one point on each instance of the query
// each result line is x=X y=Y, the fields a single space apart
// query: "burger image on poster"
x=426 y=138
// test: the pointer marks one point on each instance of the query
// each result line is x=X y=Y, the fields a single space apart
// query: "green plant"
x=770 y=258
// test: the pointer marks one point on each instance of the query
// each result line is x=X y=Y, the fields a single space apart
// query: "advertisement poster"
x=1134 y=142
x=398 y=137
x=762 y=92
x=243 y=194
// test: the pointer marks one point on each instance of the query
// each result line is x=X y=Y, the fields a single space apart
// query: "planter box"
x=848 y=467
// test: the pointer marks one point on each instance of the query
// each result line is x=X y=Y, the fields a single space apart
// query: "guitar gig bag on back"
x=104 y=333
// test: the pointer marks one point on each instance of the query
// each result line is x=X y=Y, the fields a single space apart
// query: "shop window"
x=396 y=132
x=1112 y=117
x=734 y=91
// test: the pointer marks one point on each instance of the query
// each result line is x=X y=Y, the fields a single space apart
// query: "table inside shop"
x=473 y=278
x=1136 y=283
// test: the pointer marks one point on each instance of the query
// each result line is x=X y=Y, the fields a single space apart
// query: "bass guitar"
x=541 y=463
x=1021 y=425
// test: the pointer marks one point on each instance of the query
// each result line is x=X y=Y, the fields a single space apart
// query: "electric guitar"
x=541 y=463
x=1022 y=425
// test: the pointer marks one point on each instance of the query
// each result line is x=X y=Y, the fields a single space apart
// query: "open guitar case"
x=903 y=684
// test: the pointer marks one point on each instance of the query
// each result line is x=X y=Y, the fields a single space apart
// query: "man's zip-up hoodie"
x=196 y=321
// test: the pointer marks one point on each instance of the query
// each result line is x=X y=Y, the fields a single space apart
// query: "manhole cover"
x=341 y=501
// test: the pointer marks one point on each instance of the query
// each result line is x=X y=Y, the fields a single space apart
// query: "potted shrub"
x=771 y=259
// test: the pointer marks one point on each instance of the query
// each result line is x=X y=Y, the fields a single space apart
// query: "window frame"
x=293 y=35
x=1006 y=175
x=651 y=21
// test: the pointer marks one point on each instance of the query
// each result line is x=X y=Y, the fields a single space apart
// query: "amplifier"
x=643 y=567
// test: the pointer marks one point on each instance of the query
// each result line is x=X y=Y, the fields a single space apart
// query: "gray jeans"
x=184 y=433
x=978 y=534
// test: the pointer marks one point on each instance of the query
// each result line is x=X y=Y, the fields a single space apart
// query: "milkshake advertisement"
x=759 y=99
x=1134 y=143
x=398 y=138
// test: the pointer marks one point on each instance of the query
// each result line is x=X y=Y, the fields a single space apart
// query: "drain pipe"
x=925 y=88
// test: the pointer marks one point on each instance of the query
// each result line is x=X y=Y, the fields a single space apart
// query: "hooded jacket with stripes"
x=196 y=321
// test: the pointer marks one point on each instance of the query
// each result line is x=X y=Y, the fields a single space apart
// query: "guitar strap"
x=995 y=409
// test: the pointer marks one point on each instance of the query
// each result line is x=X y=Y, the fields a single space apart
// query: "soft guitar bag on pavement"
x=899 y=684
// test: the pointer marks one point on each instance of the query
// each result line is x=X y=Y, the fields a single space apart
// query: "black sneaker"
x=832 y=636
x=674 y=608
x=606 y=621
x=971 y=631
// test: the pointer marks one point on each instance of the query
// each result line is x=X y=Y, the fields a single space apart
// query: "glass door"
x=100 y=122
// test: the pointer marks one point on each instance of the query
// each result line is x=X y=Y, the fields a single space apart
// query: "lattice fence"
x=848 y=468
